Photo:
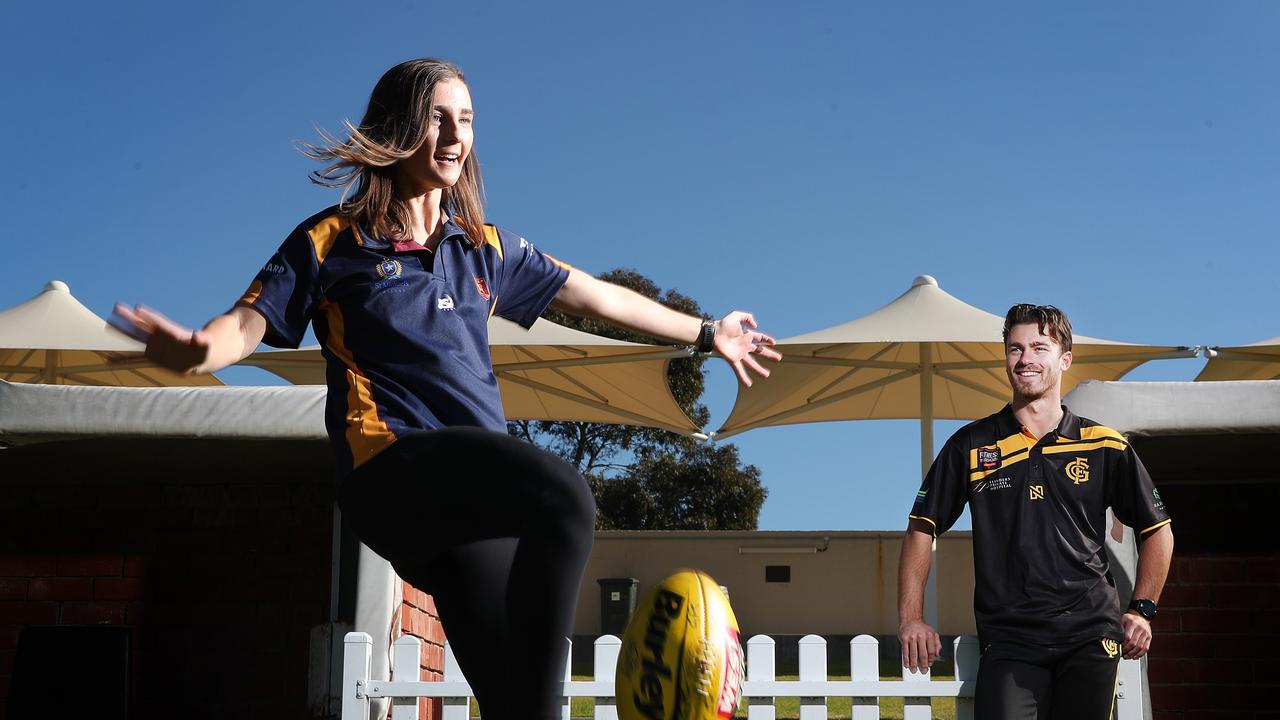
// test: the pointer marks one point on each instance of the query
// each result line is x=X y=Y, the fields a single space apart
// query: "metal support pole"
x=926 y=459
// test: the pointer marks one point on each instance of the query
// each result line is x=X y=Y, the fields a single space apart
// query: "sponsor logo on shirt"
x=1036 y=492
x=1155 y=495
x=389 y=268
x=989 y=458
x=390 y=271
x=525 y=245
x=1078 y=470
x=1003 y=483
x=444 y=303
x=274 y=268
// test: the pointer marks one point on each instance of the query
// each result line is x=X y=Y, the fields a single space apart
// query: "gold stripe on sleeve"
x=921 y=517
x=251 y=295
x=1157 y=526
x=325 y=234
x=1098 y=432
x=560 y=263
x=491 y=237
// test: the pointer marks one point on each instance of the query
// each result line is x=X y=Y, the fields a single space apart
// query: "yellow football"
x=681 y=658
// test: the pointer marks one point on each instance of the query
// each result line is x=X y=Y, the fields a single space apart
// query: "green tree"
x=646 y=478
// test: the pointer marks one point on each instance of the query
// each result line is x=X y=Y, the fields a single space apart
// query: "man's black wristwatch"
x=706 y=337
x=1145 y=608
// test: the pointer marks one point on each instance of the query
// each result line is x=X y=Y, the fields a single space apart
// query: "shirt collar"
x=1068 y=426
x=366 y=238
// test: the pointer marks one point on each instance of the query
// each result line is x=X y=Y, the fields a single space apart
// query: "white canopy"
x=1180 y=408
x=1257 y=361
x=551 y=372
x=54 y=339
x=925 y=355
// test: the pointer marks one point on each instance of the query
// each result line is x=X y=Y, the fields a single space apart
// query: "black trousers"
x=498 y=531
x=1021 y=681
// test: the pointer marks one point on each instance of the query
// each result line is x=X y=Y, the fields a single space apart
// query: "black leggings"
x=498 y=532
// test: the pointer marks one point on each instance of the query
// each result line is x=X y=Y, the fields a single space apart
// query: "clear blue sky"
x=1121 y=161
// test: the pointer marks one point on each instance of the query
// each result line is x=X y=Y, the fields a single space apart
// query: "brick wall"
x=215 y=555
x=419 y=618
x=1214 y=653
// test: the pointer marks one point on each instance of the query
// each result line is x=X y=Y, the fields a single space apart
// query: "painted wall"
x=841 y=583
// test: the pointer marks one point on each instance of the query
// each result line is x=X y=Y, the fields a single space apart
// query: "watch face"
x=1145 y=608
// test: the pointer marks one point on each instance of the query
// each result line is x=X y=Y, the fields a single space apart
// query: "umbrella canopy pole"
x=50 y=374
x=926 y=459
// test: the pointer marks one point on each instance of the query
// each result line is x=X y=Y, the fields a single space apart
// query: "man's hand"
x=1137 y=635
x=920 y=645
x=737 y=340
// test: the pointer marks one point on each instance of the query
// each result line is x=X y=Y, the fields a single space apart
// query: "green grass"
x=789 y=708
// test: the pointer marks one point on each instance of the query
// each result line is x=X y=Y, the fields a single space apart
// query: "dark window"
x=777 y=573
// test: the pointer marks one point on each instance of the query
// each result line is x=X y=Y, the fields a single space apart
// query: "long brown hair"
x=393 y=128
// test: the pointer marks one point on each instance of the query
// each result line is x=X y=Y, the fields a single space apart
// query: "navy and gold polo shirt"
x=1039 y=522
x=404 y=330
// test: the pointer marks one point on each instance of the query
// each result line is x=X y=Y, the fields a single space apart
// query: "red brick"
x=59 y=588
x=1266 y=622
x=434 y=632
x=1216 y=621
x=133 y=613
x=6 y=661
x=13 y=588
x=1167 y=621
x=1246 y=596
x=1180 y=568
x=433 y=658
x=28 y=613
x=1222 y=671
x=1226 y=570
x=90 y=565
x=1266 y=671
x=1185 y=596
x=93 y=613
x=28 y=566
x=421 y=624
x=1171 y=671
x=1196 y=647
x=135 y=565
x=430 y=606
x=9 y=636
x=117 y=589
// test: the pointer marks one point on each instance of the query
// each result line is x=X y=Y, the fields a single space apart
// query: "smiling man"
x=1039 y=480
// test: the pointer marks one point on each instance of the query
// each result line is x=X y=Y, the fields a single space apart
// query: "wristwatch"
x=706 y=337
x=1144 y=607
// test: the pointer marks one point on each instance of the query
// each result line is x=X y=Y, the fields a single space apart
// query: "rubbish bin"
x=617 y=602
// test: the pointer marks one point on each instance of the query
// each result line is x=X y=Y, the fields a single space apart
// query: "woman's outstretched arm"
x=225 y=340
x=736 y=338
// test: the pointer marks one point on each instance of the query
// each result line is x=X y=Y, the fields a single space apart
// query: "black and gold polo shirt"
x=1039 y=522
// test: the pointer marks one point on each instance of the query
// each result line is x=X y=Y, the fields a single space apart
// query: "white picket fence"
x=813 y=687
